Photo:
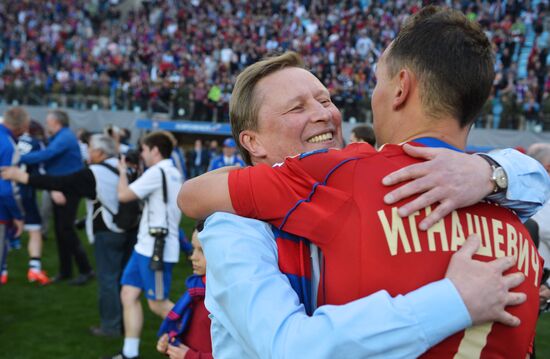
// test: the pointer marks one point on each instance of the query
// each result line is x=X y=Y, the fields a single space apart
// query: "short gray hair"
x=61 y=116
x=105 y=144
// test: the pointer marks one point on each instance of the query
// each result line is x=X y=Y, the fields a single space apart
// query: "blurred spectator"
x=181 y=57
x=198 y=159
x=83 y=138
x=14 y=124
x=32 y=141
x=229 y=156
x=214 y=149
x=363 y=133
x=61 y=157
x=177 y=156
x=112 y=245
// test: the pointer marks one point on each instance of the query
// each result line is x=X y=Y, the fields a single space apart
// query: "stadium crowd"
x=182 y=57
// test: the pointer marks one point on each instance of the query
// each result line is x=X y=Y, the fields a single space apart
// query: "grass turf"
x=53 y=321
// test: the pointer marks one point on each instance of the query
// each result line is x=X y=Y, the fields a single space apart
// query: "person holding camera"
x=157 y=249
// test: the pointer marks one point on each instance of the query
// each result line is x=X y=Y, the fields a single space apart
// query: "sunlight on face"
x=296 y=115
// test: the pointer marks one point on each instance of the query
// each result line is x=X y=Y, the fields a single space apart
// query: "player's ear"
x=251 y=141
x=403 y=87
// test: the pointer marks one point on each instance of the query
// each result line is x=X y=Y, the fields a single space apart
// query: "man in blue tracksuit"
x=229 y=156
x=15 y=123
x=61 y=157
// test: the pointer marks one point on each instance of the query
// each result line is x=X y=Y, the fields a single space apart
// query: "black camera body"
x=159 y=233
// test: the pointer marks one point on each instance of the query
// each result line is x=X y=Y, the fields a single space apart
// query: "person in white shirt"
x=150 y=266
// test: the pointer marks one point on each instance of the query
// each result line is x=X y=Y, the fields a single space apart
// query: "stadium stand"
x=181 y=57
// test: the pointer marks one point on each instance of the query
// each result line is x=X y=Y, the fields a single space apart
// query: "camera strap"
x=164 y=199
x=115 y=171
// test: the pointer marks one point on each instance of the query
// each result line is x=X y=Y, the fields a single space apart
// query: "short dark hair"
x=452 y=59
x=160 y=140
x=364 y=133
x=61 y=116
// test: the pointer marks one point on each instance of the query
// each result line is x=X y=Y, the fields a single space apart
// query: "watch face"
x=500 y=178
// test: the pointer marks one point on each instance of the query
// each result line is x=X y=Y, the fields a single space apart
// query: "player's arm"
x=81 y=183
x=261 y=191
x=203 y=195
x=455 y=180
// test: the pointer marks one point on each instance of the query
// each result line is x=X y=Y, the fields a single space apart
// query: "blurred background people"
x=199 y=158
x=363 y=133
x=29 y=142
x=229 y=156
x=62 y=156
x=14 y=124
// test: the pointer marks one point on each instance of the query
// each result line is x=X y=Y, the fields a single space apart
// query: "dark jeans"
x=111 y=254
x=68 y=243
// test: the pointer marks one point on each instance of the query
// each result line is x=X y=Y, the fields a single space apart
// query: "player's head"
x=17 y=120
x=278 y=109
x=441 y=58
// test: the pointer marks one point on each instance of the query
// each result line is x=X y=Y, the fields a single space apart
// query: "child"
x=185 y=333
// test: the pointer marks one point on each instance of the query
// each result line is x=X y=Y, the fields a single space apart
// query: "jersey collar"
x=434 y=142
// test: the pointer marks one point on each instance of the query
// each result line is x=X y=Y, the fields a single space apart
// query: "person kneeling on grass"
x=185 y=333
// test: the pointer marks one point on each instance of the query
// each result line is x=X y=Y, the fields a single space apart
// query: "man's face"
x=94 y=155
x=296 y=115
x=228 y=151
x=52 y=125
x=382 y=102
x=147 y=155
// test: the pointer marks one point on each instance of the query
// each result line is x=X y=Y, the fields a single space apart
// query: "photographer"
x=157 y=249
x=112 y=245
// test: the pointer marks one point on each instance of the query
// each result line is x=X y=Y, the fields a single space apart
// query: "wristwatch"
x=498 y=177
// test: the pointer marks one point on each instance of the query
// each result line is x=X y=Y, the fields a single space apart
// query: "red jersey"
x=334 y=198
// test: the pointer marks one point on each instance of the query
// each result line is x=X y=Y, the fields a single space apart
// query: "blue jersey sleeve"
x=8 y=190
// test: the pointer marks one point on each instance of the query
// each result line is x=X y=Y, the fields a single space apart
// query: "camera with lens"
x=159 y=233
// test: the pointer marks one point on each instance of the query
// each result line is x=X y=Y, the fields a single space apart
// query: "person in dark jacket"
x=61 y=157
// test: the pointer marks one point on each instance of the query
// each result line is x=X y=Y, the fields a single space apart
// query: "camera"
x=159 y=233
